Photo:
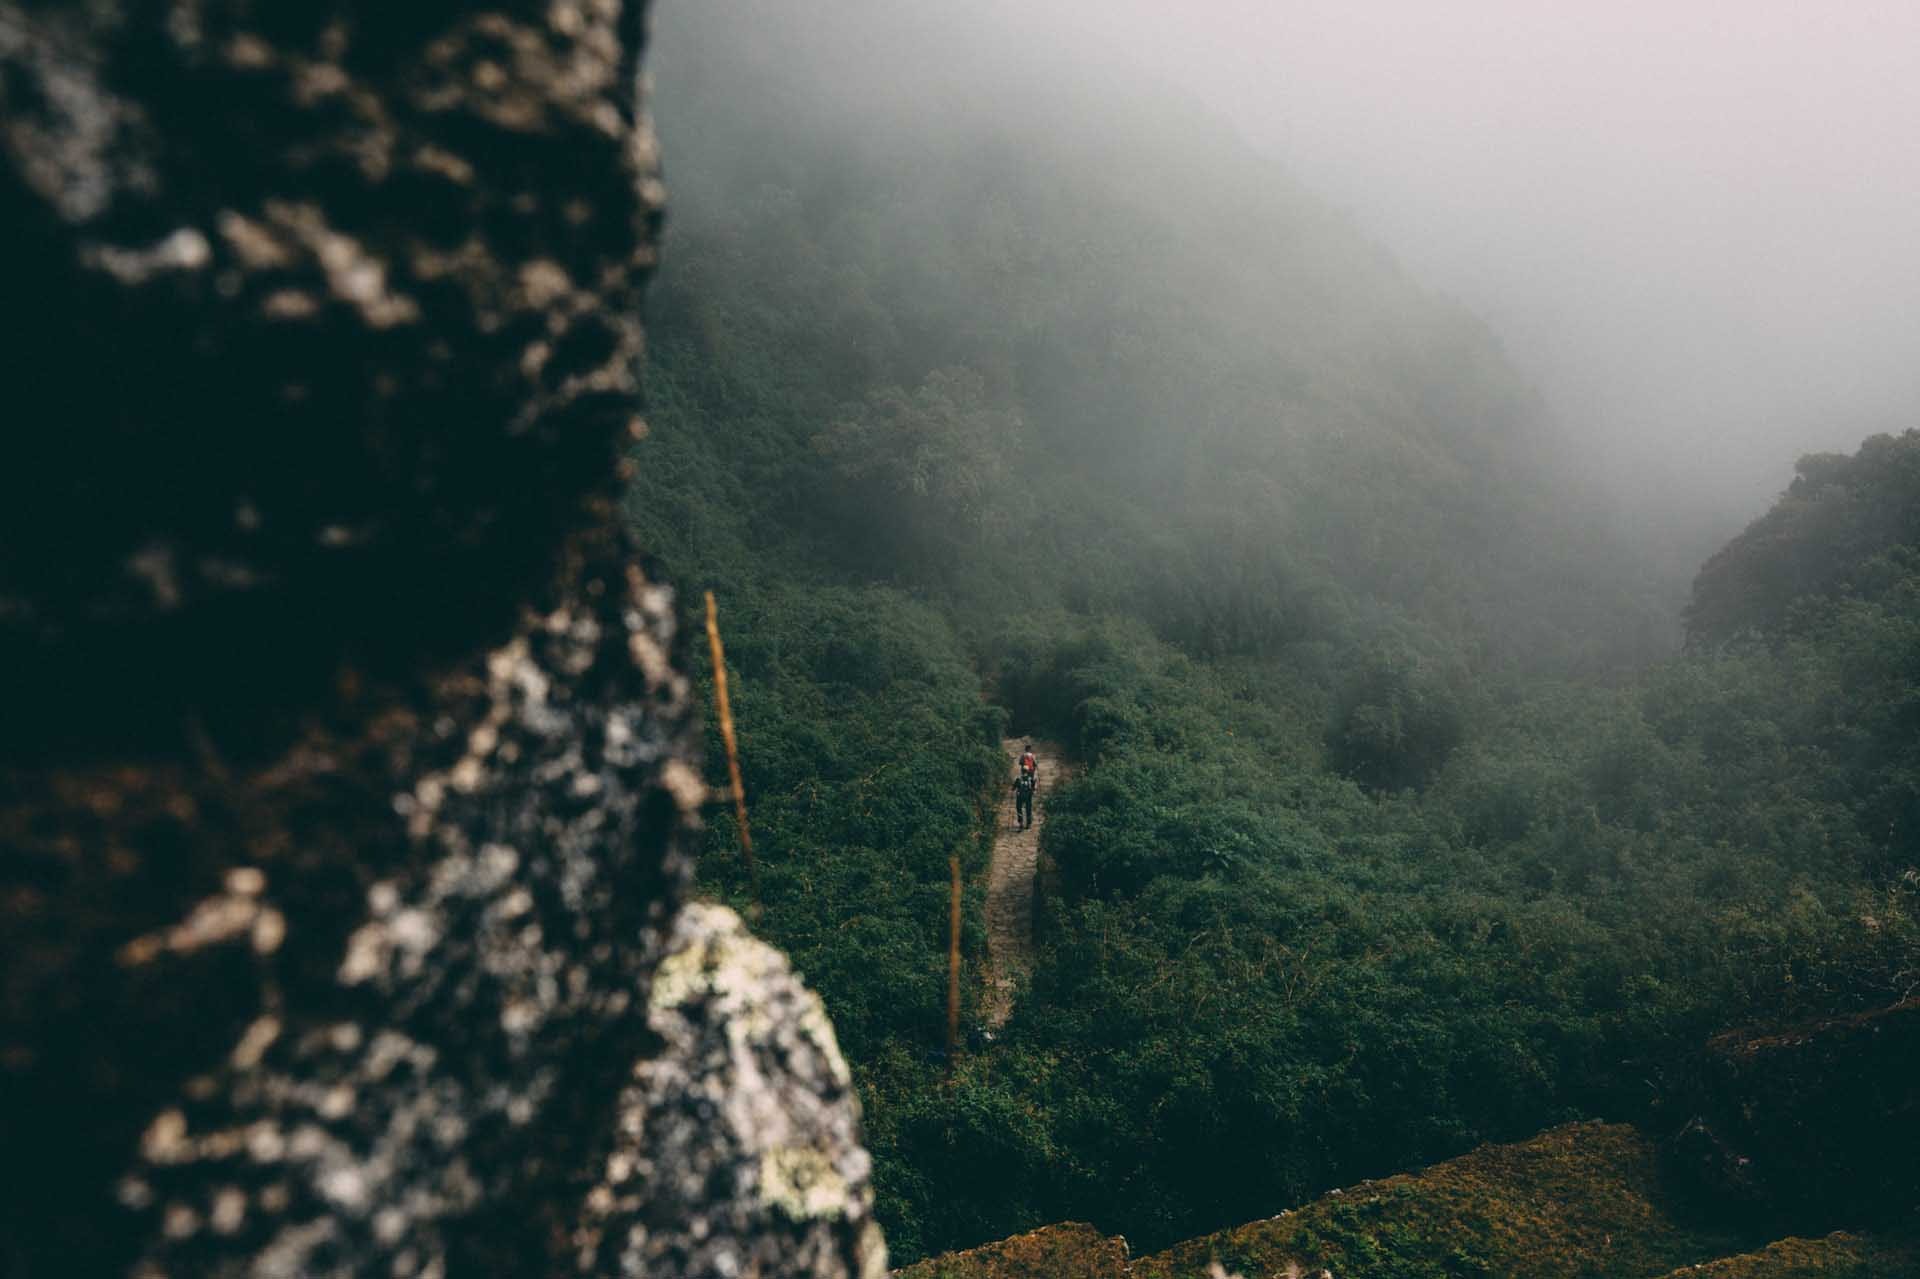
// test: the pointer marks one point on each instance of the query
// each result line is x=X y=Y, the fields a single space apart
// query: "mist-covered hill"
x=1082 y=329
x=991 y=392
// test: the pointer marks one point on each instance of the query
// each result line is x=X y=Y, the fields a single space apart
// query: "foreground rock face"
x=343 y=784
x=321 y=322
x=750 y=1092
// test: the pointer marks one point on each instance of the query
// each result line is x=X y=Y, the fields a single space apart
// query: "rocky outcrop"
x=321 y=326
x=344 y=778
x=750 y=1093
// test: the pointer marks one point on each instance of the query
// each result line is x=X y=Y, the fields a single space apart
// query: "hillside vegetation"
x=1405 y=824
x=1577 y=1202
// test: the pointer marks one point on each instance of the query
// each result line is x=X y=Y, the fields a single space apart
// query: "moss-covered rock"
x=1580 y=1200
x=1838 y=1256
x=1584 y=1201
x=1072 y=1250
x=346 y=773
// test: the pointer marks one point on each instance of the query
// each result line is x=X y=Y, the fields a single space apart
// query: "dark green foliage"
x=1395 y=725
x=865 y=746
x=1365 y=865
x=1826 y=536
x=1811 y=1127
x=915 y=477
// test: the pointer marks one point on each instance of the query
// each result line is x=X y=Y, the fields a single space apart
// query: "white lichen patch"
x=814 y=1024
x=802 y=1183
x=165 y=1138
x=246 y=881
x=255 y=245
x=685 y=785
x=366 y=956
x=354 y=275
x=717 y=963
x=398 y=943
x=544 y=283
x=227 y=917
x=186 y=249
x=750 y=1091
x=229 y=1211
x=254 y=1043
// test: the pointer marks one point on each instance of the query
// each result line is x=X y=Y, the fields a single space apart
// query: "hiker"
x=1023 y=800
x=1024 y=786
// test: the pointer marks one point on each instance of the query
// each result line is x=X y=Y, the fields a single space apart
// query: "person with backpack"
x=1024 y=786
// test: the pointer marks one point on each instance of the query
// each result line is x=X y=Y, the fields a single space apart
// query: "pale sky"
x=1696 y=225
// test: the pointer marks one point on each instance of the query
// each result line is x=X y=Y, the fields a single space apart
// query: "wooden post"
x=725 y=709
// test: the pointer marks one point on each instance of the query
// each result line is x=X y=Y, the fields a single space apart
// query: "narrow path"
x=1016 y=853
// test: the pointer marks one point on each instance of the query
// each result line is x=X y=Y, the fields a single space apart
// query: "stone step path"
x=1016 y=855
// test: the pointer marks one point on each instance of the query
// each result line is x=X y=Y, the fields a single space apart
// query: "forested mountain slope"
x=1400 y=828
x=960 y=332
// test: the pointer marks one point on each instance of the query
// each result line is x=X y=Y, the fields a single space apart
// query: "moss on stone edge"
x=1838 y=1256
x=1072 y=1250
x=1579 y=1200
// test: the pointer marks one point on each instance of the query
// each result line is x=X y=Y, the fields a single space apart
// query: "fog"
x=1692 y=223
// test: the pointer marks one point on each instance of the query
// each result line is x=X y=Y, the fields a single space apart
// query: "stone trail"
x=1016 y=854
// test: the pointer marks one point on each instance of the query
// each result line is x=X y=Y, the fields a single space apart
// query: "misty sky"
x=1695 y=223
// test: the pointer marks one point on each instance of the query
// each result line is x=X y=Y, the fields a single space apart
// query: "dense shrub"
x=1365 y=865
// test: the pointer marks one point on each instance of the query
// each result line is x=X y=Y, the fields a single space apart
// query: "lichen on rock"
x=345 y=787
x=749 y=1091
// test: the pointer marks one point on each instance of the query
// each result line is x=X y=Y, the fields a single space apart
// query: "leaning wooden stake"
x=725 y=709
x=953 y=970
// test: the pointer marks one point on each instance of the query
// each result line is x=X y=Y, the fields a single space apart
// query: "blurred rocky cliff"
x=344 y=768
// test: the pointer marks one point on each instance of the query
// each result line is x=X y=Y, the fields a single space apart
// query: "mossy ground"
x=1073 y=1250
x=1579 y=1200
x=1838 y=1256
x=1583 y=1201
